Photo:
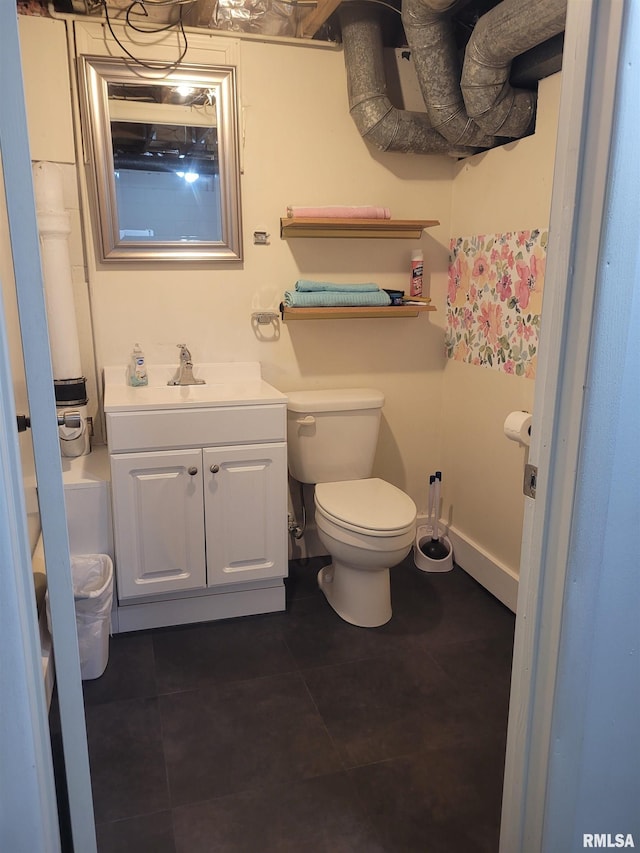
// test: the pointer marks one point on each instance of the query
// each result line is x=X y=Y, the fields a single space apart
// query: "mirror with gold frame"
x=164 y=151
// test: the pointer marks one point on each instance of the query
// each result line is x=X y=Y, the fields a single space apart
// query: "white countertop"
x=81 y=471
x=226 y=384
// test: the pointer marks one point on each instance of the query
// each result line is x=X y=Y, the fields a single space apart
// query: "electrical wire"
x=137 y=29
x=386 y=5
x=167 y=2
x=152 y=66
x=378 y=3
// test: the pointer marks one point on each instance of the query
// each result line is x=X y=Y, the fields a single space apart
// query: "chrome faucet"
x=184 y=373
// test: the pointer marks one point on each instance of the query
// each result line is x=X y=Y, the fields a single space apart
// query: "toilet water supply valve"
x=295 y=529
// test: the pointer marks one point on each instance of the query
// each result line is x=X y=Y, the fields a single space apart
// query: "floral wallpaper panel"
x=494 y=300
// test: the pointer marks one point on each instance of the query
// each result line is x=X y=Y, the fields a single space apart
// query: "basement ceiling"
x=499 y=94
x=314 y=19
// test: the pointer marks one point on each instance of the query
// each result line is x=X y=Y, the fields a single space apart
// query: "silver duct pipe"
x=379 y=122
x=429 y=30
x=506 y=31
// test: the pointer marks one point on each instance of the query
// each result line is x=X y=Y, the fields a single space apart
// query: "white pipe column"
x=54 y=228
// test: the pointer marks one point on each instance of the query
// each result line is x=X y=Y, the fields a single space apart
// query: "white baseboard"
x=494 y=576
x=498 y=579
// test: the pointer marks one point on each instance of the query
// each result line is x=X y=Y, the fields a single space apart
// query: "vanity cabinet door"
x=158 y=511
x=245 y=492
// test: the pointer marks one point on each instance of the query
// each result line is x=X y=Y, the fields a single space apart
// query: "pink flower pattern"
x=503 y=287
x=494 y=300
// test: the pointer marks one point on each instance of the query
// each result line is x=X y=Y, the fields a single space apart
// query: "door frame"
x=25 y=249
x=578 y=212
x=592 y=42
x=26 y=768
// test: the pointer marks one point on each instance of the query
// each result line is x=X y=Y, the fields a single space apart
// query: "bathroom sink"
x=226 y=384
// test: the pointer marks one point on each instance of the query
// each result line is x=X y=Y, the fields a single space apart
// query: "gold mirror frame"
x=97 y=72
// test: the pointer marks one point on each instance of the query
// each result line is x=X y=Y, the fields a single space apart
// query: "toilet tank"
x=332 y=435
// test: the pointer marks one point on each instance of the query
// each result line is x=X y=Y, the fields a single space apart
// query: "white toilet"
x=366 y=524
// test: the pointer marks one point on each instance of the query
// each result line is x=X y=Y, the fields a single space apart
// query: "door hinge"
x=530 y=480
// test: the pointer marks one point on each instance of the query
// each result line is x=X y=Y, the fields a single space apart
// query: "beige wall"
x=43 y=46
x=505 y=189
x=301 y=147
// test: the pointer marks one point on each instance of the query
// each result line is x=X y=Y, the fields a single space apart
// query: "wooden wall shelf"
x=353 y=313
x=408 y=229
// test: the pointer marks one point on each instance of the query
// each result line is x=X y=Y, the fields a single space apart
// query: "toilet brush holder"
x=426 y=563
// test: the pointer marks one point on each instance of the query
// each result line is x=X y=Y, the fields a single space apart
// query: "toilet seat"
x=372 y=507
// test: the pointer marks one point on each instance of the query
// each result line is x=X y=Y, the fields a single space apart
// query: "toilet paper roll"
x=74 y=441
x=517 y=427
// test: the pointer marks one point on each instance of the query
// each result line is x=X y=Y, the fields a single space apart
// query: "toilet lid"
x=369 y=506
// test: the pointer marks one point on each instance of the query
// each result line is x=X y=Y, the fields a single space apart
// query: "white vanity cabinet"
x=199 y=494
x=168 y=504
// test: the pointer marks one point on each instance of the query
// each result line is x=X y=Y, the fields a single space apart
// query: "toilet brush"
x=434 y=548
x=430 y=508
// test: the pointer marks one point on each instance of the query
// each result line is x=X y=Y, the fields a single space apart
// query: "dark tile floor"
x=296 y=731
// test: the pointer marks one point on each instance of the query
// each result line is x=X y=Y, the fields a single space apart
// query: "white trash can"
x=92 y=577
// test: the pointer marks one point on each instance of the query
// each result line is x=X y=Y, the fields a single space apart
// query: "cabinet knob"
x=193 y=470
x=214 y=469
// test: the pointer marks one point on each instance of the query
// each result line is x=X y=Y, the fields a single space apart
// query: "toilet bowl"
x=367 y=526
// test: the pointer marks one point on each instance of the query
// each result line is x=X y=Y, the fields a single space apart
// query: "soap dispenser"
x=138 y=369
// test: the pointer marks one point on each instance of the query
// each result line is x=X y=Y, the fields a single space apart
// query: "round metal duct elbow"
x=391 y=129
x=429 y=30
x=506 y=31
x=378 y=121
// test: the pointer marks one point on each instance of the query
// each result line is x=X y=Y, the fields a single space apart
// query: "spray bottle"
x=417 y=267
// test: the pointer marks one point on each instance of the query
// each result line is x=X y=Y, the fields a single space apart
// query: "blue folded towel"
x=335 y=299
x=308 y=286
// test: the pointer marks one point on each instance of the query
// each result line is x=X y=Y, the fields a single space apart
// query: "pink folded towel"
x=339 y=212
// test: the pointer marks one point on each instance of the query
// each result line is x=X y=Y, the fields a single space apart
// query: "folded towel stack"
x=361 y=211
x=312 y=286
x=313 y=294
